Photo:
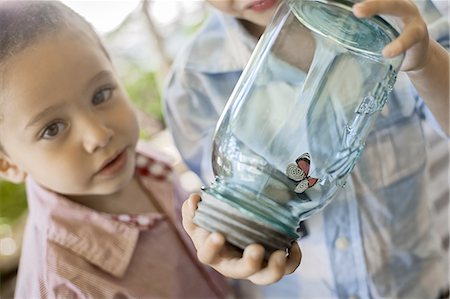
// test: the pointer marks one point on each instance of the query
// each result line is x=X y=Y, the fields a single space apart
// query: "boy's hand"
x=413 y=39
x=215 y=252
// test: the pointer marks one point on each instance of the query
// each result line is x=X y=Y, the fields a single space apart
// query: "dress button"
x=143 y=220
x=124 y=218
x=341 y=243
x=156 y=169
x=141 y=161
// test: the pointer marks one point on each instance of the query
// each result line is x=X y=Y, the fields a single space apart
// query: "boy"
x=375 y=239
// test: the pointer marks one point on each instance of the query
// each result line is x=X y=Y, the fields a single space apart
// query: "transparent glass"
x=296 y=122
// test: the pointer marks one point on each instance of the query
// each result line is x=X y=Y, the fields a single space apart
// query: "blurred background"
x=143 y=38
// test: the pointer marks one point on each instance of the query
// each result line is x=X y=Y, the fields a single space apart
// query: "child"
x=103 y=216
x=375 y=238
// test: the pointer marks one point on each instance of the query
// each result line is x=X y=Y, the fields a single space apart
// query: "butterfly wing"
x=312 y=182
x=301 y=186
x=305 y=156
x=295 y=173
x=303 y=164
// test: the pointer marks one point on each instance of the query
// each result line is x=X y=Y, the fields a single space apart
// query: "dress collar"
x=95 y=236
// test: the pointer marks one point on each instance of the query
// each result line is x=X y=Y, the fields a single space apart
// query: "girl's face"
x=258 y=12
x=65 y=119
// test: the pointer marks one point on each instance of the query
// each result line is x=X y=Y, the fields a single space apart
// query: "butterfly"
x=299 y=172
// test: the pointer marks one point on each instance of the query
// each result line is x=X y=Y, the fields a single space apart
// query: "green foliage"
x=142 y=87
x=191 y=30
x=144 y=135
x=12 y=201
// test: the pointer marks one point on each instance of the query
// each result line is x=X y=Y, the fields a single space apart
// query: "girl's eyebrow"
x=42 y=114
x=99 y=76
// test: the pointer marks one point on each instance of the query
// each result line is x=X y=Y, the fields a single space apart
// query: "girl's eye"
x=52 y=130
x=102 y=96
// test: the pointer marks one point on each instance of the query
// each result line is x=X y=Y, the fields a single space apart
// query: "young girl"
x=375 y=239
x=103 y=215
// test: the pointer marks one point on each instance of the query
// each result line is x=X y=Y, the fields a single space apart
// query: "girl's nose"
x=96 y=136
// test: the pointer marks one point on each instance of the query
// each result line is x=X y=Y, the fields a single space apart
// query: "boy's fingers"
x=193 y=201
x=252 y=259
x=413 y=33
x=196 y=233
x=278 y=266
x=274 y=270
x=213 y=250
x=187 y=212
x=399 y=8
x=209 y=252
x=236 y=265
x=294 y=258
x=414 y=29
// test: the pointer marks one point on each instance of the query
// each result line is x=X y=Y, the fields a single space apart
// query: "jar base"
x=240 y=230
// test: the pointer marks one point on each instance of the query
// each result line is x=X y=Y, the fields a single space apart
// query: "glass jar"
x=296 y=122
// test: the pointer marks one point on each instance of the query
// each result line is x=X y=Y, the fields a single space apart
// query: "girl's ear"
x=11 y=171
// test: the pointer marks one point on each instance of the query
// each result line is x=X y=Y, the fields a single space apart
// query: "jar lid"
x=335 y=20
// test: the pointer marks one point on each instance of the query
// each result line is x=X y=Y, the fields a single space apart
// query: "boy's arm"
x=432 y=83
x=426 y=62
x=215 y=252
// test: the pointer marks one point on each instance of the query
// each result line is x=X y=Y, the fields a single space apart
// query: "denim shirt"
x=377 y=232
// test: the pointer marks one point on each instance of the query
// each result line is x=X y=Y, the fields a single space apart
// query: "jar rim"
x=366 y=36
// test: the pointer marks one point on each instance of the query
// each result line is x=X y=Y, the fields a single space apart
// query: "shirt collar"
x=95 y=236
x=222 y=45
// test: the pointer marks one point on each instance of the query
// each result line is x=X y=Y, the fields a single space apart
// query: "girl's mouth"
x=114 y=165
